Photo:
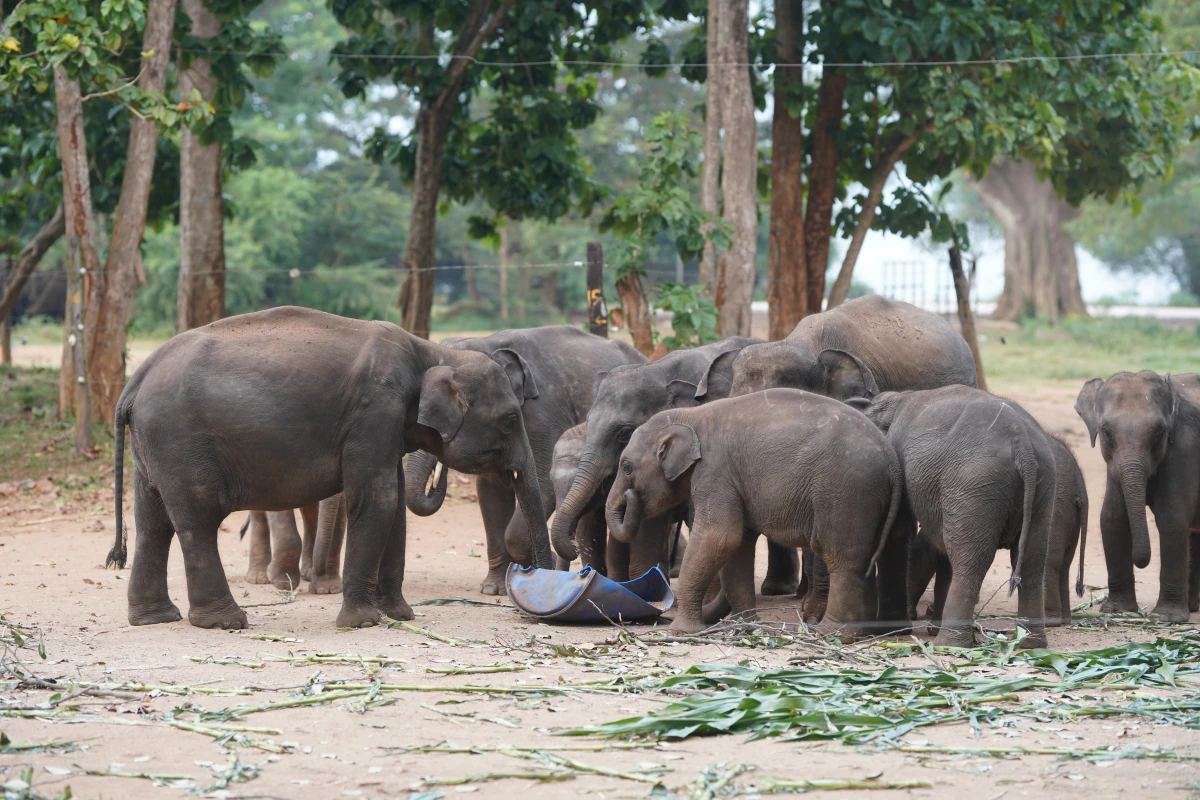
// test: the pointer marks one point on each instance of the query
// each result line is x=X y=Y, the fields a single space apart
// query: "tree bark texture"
x=110 y=296
x=739 y=191
x=787 y=278
x=866 y=217
x=201 y=292
x=28 y=259
x=635 y=312
x=597 y=309
x=77 y=211
x=76 y=344
x=822 y=183
x=710 y=169
x=1041 y=274
x=433 y=125
x=966 y=319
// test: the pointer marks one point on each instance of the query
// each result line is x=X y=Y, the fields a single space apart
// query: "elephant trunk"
x=587 y=480
x=529 y=495
x=624 y=514
x=329 y=518
x=422 y=498
x=1133 y=487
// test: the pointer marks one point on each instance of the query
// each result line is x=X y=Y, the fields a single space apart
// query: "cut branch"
x=28 y=260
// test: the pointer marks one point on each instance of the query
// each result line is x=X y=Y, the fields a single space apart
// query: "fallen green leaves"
x=408 y=626
x=9 y=747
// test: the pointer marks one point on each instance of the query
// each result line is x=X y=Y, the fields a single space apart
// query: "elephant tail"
x=1028 y=467
x=119 y=553
x=896 y=473
x=1081 y=506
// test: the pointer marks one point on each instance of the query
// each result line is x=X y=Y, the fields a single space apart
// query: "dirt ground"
x=51 y=568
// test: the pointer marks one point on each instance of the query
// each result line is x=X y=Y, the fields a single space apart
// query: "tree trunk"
x=5 y=341
x=822 y=183
x=433 y=125
x=504 y=274
x=739 y=190
x=635 y=312
x=966 y=319
x=866 y=217
x=76 y=345
x=1041 y=274
x=77 y=211
x=787 y=279
x=110 y=297
x=201 y=294
x=28 y=259
x=710 y=169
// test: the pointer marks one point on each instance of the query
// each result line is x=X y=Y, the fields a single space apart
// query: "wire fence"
x=927 y=284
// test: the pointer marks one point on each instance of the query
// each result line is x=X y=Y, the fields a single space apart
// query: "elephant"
x=802 y=470
x=857 y=349
x=280 y=557
x=979 y=475
x=1068 y=531
x=659 y=542
x=1149 y=431
x=554 y=369
x=220 y=416
x=626 y=397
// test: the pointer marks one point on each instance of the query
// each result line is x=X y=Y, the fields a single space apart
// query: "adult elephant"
x=1149 y=431
x=625 y=398
x=863 y=347
x=280 y=557
x=220 y=416
x=553 y=370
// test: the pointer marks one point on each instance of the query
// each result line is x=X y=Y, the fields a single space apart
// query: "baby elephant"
x=801 y=469
x=979 y=475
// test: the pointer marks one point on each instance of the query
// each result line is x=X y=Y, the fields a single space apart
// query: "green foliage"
x=1183 y=299
x=661 y=204
x=694 y=317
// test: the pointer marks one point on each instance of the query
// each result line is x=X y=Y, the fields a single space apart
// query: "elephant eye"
x=508 y=423
x=626 y=468
x=623 y=436
x=1107 y=433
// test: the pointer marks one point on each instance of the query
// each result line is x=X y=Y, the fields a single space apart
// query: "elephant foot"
x=396 y=608
x=224 y=614
x=775 y=586
x=284 y=577
x=306 y=572
x=1035 y=640
x=325 y=584
x=845 y=631
x=1171 y=613
x=1194 y=604
x=153 y=613
x=358 y=615
x=685 y=624
x=493 y=584
x=716 y=610
x=257 y=573
x=957 y=637
x=1118 y=604
x=812 y=612
x=934 y=627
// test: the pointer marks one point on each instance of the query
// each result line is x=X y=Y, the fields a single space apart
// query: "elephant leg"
x=331 y=526
x=971 y=543
x=373 y=496
x=389 y=587
x=1194 y=574
x=737 y=578
x=591 y=535
x=783 y=570
x=149 y=602
x=1174 y=538
x=806 y=568
x=893 y=613
x=678 y=548
x=1031 y=592
x=713 y=543
x=815 y=602
x=941 y=588
x=308 y=517
x=497 y=503
x=922 y=563
x=1118 y=551
x=260 y=548
x=210 y=603
x=284 y=569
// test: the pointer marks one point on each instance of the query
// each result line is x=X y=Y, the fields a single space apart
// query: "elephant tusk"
x=433 y=482
x=514 y=475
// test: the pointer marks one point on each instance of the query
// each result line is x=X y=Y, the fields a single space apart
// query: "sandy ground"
x=51 y=568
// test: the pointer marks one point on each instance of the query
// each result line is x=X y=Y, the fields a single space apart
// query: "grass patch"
x=1079 y=349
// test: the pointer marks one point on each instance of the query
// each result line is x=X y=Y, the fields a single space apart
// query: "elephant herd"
x=860 y=440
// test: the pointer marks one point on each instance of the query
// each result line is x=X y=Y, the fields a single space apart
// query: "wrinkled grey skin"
x=628 y=396
x=280 y=557
x=858 y=349
x=555 y=367
x=1149 y=432
x=220 y=416
x=800 y=469
x=1068 y=532
x=659 y=541
x=979 y=475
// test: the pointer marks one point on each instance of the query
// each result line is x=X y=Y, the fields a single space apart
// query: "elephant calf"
x=280 y=557
x=801 y=469
x=979 y=475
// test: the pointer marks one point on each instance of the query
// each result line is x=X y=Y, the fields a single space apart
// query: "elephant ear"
x=681 y=394
x=846 y=376
x=717 y=380
x=1173 y=406
x=1086 y=407
x=678 y=450
x=600 y=376
x=443 y=403
x=519 y=374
